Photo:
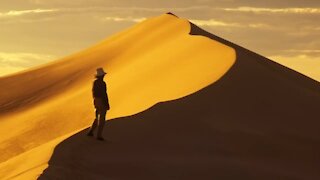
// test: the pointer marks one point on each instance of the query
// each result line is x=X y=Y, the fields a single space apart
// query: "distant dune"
x=224 y=112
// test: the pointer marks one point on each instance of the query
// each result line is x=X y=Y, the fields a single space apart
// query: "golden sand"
x=154 y=61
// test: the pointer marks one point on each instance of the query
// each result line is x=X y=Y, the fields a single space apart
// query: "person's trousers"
x=99 y=121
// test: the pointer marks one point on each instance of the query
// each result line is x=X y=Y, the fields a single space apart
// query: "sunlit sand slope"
x=260 y=121
x=154 y=61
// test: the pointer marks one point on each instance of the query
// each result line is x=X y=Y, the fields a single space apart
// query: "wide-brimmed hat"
x=100 y=72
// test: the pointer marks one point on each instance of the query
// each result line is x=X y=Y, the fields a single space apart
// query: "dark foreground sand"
x=259 y=121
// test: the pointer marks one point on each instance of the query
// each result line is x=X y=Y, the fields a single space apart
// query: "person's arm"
x=94 y=89
x=106 y=94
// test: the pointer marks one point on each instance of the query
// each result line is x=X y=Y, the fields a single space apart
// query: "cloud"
x=214 y=23
x=13 y=62
x=27 y=16
x=14 y=13
x=303 y=50
x=116 y=14
x=121 y=19
x=223 y=24
x=275 y=10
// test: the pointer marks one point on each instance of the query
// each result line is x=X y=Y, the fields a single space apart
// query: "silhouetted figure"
x=101 y=103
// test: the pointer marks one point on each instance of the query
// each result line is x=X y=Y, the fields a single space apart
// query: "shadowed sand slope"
x=259 y=121
x=154 y=61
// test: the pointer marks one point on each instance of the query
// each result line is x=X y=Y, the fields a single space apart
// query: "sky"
x=34 y=32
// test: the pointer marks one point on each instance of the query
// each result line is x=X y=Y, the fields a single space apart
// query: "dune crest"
x=154 y=61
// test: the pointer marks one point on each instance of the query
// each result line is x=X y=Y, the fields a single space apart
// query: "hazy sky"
x=37 y=31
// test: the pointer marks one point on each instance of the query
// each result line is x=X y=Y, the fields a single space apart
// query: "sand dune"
x=259 y=121
x=224 y=112
x=154 y=61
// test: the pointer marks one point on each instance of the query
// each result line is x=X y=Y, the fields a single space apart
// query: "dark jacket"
x=99 y=90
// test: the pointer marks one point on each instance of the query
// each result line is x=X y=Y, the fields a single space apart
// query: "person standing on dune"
x=101 y=103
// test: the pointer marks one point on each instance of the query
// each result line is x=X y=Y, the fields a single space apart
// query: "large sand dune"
x=154 y=61
x=259 y=121
x=255 y=119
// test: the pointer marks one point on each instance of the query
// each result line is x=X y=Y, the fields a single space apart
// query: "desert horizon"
x=184 y=104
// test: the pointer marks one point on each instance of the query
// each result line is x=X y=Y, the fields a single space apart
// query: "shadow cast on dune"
x=259 y=121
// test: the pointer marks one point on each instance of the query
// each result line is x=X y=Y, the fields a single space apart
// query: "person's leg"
x=94 y=124
x=102 y=120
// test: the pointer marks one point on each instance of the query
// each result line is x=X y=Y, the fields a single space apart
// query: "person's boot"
x=100 y=130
